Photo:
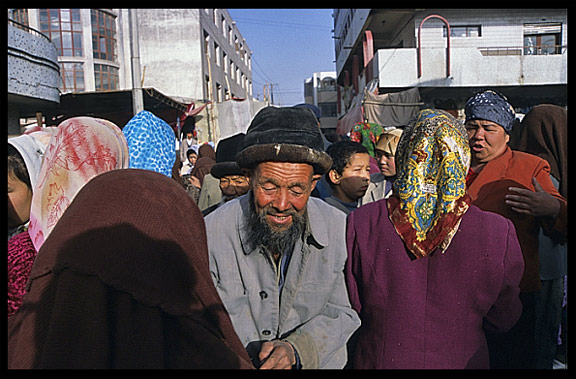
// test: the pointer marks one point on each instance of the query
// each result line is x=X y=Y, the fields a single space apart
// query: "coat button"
x=263 y=295
x=266 y=332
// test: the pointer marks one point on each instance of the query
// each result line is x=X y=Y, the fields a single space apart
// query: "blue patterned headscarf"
x=151 y=143
x=492 y=106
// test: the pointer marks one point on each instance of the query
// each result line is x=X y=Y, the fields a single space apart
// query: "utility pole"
x=265 y=95
x=137 y=95
x=271 y=93
x=210 y=105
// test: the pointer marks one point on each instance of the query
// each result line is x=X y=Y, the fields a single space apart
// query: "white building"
x=320 y=91
x=188 y=53
x=522 y=53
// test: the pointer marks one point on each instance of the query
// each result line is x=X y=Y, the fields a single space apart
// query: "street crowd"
x=437 y=245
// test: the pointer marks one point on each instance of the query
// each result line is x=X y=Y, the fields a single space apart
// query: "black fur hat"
x=226 y=156
x=287 y=134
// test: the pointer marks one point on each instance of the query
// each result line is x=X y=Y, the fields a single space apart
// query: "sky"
x=288 y=46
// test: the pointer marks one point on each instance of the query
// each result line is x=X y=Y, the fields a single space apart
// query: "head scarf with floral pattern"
x=81 y=148
x=432 y=159
x=367 y=134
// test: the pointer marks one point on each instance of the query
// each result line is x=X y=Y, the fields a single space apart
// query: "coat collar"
x=492 y=172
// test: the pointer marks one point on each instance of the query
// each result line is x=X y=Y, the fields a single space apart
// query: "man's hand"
x=277 y=355
x=537 y=203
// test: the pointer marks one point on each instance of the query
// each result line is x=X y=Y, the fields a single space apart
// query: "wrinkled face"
x=281 y=190
x=386 y=162
x=19 y=201
x=233 y=186
x=487 y=140
x=355 y=178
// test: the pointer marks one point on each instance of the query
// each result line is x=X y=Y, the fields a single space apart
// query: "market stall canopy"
x=116 y=106
x=388 y=109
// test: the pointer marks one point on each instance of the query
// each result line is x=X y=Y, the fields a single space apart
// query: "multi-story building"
x=320 y=91
x=194 y=53
x=33 y=73
x=190 y=55
x=448 y=54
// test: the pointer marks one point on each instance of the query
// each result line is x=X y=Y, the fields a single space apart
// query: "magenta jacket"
x=431 y=313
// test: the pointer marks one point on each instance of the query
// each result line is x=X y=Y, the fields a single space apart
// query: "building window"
x=309 y=88
x=218 y=92
x=105 y=77
x=217 y=54
x=20 y=16
x=464 y=31
x=207 y=44
x=542 y=38
x=103 y=35
x=207 y=87
x=64 y=28
x=72 y=77
x=328 y=109
x=327 y=84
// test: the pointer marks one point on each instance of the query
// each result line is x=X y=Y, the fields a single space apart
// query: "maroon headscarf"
x=544 y=132
x=206 y=159
x=123 y=282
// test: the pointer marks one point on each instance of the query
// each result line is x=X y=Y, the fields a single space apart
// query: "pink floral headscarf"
x=81 y=148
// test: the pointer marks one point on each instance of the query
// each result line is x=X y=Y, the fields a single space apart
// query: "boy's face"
x=355 y=178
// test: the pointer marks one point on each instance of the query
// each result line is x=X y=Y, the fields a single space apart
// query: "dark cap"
x=288 y=134
x=226 y=152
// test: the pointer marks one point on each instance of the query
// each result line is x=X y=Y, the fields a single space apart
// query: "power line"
x=284 y=24
x=265 y=76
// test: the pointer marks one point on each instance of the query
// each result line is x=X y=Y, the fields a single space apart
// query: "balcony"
x=470 y=67
x=33 y=71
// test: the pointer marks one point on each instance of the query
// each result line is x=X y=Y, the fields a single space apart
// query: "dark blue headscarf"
x=492 y=106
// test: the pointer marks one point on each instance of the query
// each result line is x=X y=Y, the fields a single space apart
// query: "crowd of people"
x=437 y=245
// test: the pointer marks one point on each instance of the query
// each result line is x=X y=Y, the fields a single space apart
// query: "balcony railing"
x=30 y=30
x=523 y=50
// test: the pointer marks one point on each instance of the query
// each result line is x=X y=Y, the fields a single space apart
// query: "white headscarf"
x=32 y=147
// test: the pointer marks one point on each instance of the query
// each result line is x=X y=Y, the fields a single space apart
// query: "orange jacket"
x=489 y=188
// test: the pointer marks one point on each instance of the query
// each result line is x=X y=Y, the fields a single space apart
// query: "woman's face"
x=487 y=140
x=19 y=201
x=386 y=163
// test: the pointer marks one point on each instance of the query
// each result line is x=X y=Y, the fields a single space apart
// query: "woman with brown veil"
x=206 y=159
x=123 y=282
x=544 y=133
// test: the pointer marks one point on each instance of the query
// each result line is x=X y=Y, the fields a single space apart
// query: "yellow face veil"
x=432 y=160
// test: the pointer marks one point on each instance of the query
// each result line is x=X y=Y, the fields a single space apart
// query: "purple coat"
x=431 y=313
